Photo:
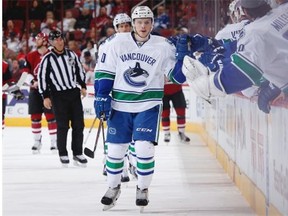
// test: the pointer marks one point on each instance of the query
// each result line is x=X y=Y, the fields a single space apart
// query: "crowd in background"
x=84 y=24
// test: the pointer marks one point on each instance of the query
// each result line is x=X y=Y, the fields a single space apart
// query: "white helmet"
x=232 y=11
x=121 y=18
x=142 y=12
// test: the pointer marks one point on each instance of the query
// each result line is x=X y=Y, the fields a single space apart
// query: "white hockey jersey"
x=231 y=31
x=263 y=48
x=138 y=71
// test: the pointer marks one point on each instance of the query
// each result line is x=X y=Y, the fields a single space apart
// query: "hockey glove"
x=268 y=92
x=173 y=40
x=102 y=105
x=211 y=60
x=182 y=47
x=203 y=43
x=18 y=95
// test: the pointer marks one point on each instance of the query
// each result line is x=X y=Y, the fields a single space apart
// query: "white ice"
x=188 y=180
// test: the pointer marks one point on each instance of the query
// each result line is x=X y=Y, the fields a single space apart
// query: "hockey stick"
x=103 y=137
x=88 y=152
x=89 y=132
x=16 y=86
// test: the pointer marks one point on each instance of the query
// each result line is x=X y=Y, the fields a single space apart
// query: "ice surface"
x=188 y=180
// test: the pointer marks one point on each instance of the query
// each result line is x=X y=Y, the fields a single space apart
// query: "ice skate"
x=183 y=138
x=110 y=198
x=167 y=137
x=133 y=171
x=142 y=198
x=37 y=147
x=65 y=161
x=80 y=160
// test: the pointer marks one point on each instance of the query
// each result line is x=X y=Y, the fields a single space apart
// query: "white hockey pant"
x=115 y=163
x=145 y=152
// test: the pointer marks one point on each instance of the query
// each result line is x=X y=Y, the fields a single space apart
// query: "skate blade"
x=107 y=207
x=141 y=209
x=76 y=163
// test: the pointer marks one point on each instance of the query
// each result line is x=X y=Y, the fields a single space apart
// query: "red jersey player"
x=36 y=108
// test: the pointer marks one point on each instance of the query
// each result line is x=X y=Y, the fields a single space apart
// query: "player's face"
x=58 y=43
x=124 y=27
x=143 y=27
x=39 y=42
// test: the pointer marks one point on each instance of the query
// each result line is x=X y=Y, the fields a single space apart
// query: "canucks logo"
x=135 y=76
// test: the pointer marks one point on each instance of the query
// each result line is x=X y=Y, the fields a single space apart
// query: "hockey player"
x=173 y=92
x=8 y=87
x=121 y=23
x=259 y=55
x=239 y=20
x=133 y=67
x=36 y=107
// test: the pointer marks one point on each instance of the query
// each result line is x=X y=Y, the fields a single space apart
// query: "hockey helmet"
x=44 y=36
x=121 y=18
x=142 y=12
x=55 y=34
x=252 y=4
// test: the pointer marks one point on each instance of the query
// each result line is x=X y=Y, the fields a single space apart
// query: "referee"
x=60 y=73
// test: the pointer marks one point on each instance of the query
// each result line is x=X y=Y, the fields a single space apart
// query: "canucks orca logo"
x=134 y=76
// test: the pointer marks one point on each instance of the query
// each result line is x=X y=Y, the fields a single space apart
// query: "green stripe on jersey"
x=104 y=75
x=128 y=96
x=248 y=68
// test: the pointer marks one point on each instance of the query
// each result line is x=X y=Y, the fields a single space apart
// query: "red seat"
x=78 y=35
x=18 y=24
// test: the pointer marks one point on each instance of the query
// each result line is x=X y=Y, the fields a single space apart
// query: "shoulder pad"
x=111 y=37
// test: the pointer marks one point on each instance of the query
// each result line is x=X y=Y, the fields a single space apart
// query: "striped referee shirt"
x=60 y=72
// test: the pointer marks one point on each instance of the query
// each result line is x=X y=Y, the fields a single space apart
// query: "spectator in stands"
x=119 y=7
x=8 y=54
x=89 y=64
x=13 y=42
x=162 y=20
x=90 y=48
x=33 y=29
x=49 y=24
x=73 y=45
x=68 y=22
x=84 y=20
x=102 y=20
x=106 y=4
x=12 y=28
x=36 y=11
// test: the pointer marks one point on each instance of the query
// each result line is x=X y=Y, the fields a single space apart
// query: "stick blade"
x=88 y=153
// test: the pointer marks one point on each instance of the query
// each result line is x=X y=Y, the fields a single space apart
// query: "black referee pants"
x=68 y=110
